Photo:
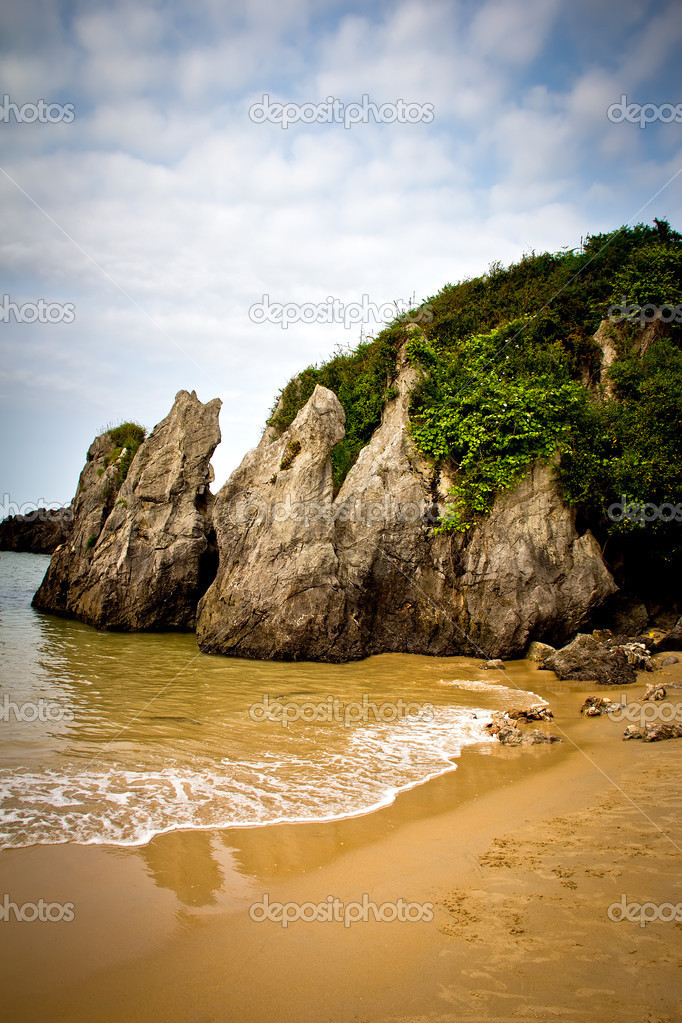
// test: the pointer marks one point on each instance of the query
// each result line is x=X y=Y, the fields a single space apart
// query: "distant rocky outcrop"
x=141 y=552
x=37 y=532
x=306 y=575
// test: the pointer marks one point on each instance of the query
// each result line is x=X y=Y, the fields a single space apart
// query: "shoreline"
x=156 y=925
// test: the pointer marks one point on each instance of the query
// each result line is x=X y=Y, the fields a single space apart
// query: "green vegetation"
x=293 y=448
x=490 y=417
x=505 y=361
x=127 y=437
x=511 y=374
x=361 y=380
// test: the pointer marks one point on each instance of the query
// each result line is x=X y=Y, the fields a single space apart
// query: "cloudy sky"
x=150 y=213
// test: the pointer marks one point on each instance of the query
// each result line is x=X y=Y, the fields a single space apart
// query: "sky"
x=148 y=209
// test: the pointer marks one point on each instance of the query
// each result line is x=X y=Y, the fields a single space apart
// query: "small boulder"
x=589 y=660
x=509 y=735
x=538 y=651
x=656 y=732
x=538 y=712
x=595 y=706
x=655 y=692
x=638 y=656
x=495 y=664
x=536 y=737
x=653 y=733
x=668 y=661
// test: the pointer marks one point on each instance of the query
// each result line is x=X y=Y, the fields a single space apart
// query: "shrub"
x=127 y=438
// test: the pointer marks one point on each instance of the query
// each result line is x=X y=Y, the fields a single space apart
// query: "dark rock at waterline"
x=595 y=706
x=509 y=735
x=141 y=553
x=654 y=732
x=667 y=662
x=589 y=660
x=673 y=640
x=38 y=532
x=637 y=654
x=538 y=712
x=629 y=616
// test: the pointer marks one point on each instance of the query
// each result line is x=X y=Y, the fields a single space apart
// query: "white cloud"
x=195 y=212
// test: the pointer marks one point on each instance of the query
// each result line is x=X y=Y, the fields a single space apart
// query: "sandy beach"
x=520 y=852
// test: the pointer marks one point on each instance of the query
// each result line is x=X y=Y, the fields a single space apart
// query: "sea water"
x=113 y=738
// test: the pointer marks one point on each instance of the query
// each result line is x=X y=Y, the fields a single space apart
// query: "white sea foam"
x=475 y=685
x=118 y=805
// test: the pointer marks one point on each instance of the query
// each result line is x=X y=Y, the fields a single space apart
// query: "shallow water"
x=113 y=738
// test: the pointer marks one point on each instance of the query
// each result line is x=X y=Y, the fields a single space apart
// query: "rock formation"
x=141 y=553
x=306 y=575
x=38 y=532
x=589 y=659
x=277 y=593
x=509 y=734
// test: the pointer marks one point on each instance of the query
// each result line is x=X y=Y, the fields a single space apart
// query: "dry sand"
x=521 y=853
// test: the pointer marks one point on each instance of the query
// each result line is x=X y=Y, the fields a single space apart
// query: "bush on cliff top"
x=505 y=359
x=127 y=438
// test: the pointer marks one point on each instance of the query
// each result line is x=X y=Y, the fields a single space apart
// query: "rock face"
x=306 y=575
x=608 y=336
x=67 y=574
x=277 y=593
x=38 y=532
x=141 y=554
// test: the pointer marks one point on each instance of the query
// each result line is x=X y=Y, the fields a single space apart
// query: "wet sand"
x=520 y=851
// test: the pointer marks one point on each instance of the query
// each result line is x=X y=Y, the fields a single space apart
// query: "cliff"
x=141 y=552
x=304 y=575
x=449 y=486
